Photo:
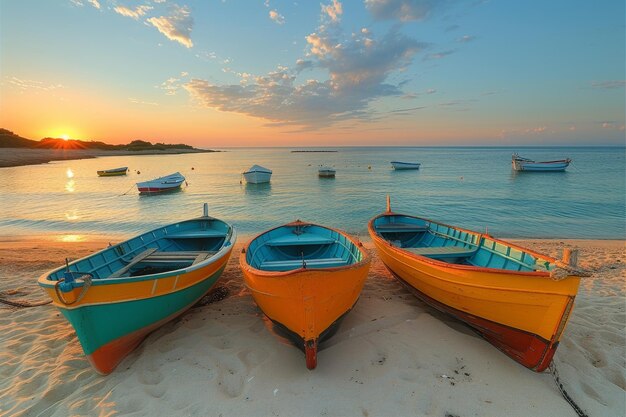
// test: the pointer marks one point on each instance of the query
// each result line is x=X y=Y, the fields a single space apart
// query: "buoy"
x=138 y=172
x=192 y=168
x=369 y=167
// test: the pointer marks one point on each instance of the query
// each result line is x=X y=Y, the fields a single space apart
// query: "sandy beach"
x=12 y=157
x=393 y=355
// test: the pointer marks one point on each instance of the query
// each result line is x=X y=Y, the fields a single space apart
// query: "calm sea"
x=470 y=187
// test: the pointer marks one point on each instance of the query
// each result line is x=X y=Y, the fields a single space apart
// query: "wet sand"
x=392 y=356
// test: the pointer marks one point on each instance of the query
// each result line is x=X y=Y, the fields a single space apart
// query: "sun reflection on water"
x=71 y=238
x=70 y=186
x=69 y=173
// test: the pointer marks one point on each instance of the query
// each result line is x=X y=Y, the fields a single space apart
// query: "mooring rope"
x=24 y=304
x=564 y=393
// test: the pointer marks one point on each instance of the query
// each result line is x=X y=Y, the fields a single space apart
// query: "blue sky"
x=371 y=72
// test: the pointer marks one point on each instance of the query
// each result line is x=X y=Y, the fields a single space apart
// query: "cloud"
x=135 y=13
x=80 y=3
x=25 y=85
x=277 y=17
x=356 y=75
x=170 y=86
x=466 y=38
x=403 y=10
x=177 y=26
x=612 y=125
x=608 y=85
x=439 y=55
x=146 y=103
x=333 y=11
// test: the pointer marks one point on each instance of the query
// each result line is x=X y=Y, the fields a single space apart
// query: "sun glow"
x=65 y=136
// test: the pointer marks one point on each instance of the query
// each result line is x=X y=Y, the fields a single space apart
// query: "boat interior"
x=169 y=248
x=303 y=245
x=449 y=244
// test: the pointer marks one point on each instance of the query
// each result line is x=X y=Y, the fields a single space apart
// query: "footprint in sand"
x=230 y=378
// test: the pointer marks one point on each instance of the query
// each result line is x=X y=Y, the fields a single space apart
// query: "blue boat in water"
x=115 y=297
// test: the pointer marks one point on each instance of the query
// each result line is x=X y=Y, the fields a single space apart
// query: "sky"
x=221 y=73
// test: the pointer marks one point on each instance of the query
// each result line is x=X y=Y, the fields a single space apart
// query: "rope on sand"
x=21 y=304
x=559 y=385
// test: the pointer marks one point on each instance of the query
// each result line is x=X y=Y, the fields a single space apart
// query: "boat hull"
x=306 y=302
x=158 y=188
x=112 y=172
x=523 y=164
x=522 y=314
x=257 y=177
x=400 y=166
x=109 y=331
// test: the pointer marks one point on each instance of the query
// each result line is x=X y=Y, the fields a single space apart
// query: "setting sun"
x=65 y=136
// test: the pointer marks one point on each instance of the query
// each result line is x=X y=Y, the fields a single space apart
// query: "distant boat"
x=326 y=172
x=517 y=299
x=397 y=165
x=305 y=278
x=115 y=297
x=257 y=174
x=161 y=184
x=525 y=164
x=113 y=172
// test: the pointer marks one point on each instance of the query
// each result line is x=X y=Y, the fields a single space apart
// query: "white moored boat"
x=397 y=165
x=257 y=174
x=326 y=172
x=525 y=164
x=161 y=184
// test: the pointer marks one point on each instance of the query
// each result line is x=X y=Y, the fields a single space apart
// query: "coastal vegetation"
x=9 y=139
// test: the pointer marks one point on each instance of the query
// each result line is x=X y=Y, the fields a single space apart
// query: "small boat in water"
x=397 y=165
x=525 y=164
x=257 y=175
x=113 y=172
x=162 y=184
x=517 y=299
x=305 y=278
x=115 y=297
x=326 y=172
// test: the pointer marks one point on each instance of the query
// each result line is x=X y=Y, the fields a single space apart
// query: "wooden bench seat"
x=443 y=251
x=400 y=228
x=303 y=239
x=152 y=256
x=290 y=264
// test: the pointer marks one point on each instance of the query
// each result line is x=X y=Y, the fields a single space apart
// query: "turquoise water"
x=470 y=187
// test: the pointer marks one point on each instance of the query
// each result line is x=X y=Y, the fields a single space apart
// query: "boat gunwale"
x=366 y=258
x=424 y=259
x=44 y=282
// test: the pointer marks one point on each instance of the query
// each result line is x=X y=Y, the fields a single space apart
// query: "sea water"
x=474 y=188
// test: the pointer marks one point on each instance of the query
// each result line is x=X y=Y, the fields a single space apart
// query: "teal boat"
x=115 y=297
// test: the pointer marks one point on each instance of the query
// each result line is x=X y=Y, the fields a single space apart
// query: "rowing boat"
x=399 y=166
x=525 y=164
x=115 y=297
x=167 y=183
x=515 y=298
x=112 y=172
x=305 y=278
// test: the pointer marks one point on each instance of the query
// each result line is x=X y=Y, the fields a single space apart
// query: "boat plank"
x=133 y=262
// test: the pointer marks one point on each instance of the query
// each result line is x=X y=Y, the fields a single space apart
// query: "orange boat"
x=305 y=278
x=515 y=298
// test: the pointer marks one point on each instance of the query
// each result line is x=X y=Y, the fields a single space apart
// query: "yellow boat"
x=305 y=278
x=516 y=299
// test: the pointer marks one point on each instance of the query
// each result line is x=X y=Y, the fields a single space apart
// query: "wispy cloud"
x=135 y=13
x=177 y=26
x=439 y=55
x=145 y=103
x=277 y=17
x=608 y=85
x=81 y=3
x=403 y=10
x=25 y=85
x=333 y=10
x=612 y=125
x=466 y=38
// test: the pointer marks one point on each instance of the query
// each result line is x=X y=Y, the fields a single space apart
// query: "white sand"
x=393 y=356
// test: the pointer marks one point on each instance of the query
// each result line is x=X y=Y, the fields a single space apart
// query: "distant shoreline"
x=311 y=151
x=13 y=157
